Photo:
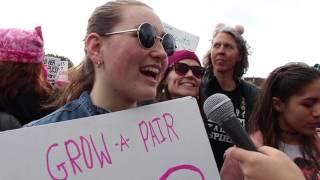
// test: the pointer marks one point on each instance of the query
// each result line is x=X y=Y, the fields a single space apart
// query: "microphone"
x=219 y=109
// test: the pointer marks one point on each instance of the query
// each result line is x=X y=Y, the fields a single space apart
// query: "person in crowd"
x=225 y=63
x=317 y=66
x=23 y=83
x=285 y=117
x=268 y=163
x=182 y=78
x=126 y=54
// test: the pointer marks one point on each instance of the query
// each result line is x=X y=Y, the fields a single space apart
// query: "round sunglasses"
x=147 y=36
x=182 y=69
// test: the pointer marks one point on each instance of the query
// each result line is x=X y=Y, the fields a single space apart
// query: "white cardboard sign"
x=57 y=68
x=161 y=141
x=62 y=73
x=184 y=40
x=53 y=64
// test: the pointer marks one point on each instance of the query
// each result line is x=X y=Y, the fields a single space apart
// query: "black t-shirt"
x=219 y=140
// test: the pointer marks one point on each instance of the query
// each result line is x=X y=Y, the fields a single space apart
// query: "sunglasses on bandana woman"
x=182 y=69
x=147 y=37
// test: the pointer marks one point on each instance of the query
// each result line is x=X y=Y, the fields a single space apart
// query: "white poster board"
x=53 y=64
x=160 y=141
x=56 y=68
x=62 y=73
x=184 y=40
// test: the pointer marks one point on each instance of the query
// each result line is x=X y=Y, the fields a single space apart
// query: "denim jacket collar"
x=85 y=101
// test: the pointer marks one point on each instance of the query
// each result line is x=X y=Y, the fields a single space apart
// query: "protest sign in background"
x=184 y=40
x=57 y=68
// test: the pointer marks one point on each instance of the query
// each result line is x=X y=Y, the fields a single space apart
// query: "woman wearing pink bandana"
x=183 y=76
x=23 y=83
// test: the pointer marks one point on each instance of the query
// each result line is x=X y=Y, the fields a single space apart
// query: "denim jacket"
x=77 y=108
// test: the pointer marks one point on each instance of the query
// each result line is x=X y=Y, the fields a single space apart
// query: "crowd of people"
x=130 y=60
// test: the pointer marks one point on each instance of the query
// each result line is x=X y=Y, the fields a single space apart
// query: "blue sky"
x=278 y=31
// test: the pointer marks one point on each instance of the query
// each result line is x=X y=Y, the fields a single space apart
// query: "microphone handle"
x=238 y=134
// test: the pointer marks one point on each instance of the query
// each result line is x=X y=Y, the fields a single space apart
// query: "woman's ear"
x=94 y=48
x=277 y=104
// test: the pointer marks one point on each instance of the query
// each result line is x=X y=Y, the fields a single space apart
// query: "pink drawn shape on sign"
x=181 y=167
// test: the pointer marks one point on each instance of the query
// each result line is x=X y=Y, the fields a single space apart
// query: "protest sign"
x=160 y=141
x=57 y=68
x=62 y=75
x=53 y=67
x=184 y=40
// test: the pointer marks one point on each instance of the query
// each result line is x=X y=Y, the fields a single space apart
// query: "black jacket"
x=8 y=122
x=25 y=107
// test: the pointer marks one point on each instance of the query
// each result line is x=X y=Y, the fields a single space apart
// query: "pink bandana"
x=180 y=55
x=17 y=45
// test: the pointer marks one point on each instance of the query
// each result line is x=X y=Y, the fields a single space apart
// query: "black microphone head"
x=218 y=108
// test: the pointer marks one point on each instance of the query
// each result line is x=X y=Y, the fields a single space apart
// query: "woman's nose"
x=158 y=50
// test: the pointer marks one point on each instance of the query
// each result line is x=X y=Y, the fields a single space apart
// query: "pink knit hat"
x=23 y=46
x=181 y=55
